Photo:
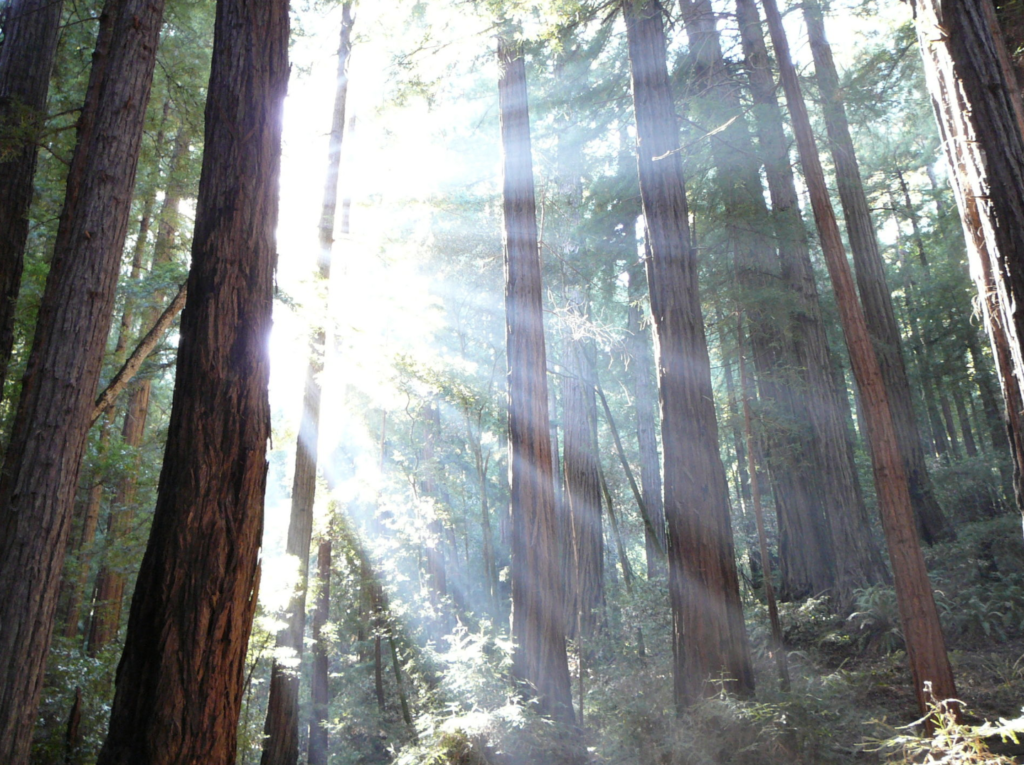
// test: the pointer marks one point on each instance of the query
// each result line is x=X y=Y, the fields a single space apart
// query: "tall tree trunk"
x=970 y=445
x=874 y=293
x=318 y=691
x=858 y=562
x=977 y=105
x=31 y=29
x=709 y=637
x=581 y=465
x=538 y=624
x=281 y=727
x=179 y=683
x=40 y=473
x=804 y=544
x=947 y=419
x=646 y=426
x=110 y=582
x=926 y=647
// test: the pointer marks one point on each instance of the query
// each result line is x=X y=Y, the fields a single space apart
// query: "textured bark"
x=926 y=649
x=110 y=583
x=874 y=292
x=582 y=482
x=646 y=408
x=538 y=623
x=709 y=637
x=318 y=690
x=40 y=473
x=179 y=683
x=977 y=105
x=281 y=728
x=792 y=455
x=857 y=560
x=30 y=42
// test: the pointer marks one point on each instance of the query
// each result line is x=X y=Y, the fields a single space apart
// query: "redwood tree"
x=871 y=283
x=709 y=637
x=30 y=42
x=538 y=621
x=926 y=649
x=977 y=104
x=179 y=683
x=40 y=473
x=281 y=729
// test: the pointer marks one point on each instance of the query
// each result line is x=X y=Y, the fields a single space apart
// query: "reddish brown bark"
x=179 y=683
x=709 y=638
x=871 y=283
x=857 y=560
x=926 y=649
x=538 y=622
x=40 y=474
x=30 y=42
x=977 y=104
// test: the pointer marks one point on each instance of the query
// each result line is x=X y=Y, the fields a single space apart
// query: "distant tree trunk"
x=281 y=728
x=110 y=582
x=646 y=426
x=970 y=446
x=709 y=637
x=874 y=293
x=792 y=455
x=40 y=473
x=947 y=419
x=857 y=560
x=926 y=647
x=318 y=692
x=977 y=105
x=538 y=624
x=437 y=573
x=778 y=646
x=179 y=683
x=582 y=480
x=31 y=30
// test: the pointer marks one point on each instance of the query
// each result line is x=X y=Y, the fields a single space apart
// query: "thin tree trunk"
x=947 y=419
x=179 y=684
x=281 y=727
x=709 y=637
x=970 y=445
x=874 y=293
x=31 y=30
x=977 y=105
x=538 y=624
x=858 y=562
x=581 y=466
x=40 y=473
x=778 y=646
x=926 y=647
x=319 y=697
x=646 y=408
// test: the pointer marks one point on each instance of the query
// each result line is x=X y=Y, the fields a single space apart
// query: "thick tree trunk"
x=318 y=691
x=804 y=545
x=179 y=683
x=857 y=560
x=919 y=617
x=538 y=624
x=709 y=637
x=40 y=473
x=977 y=105
x=31 y=30
x=646 y=408
x=874 y=293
